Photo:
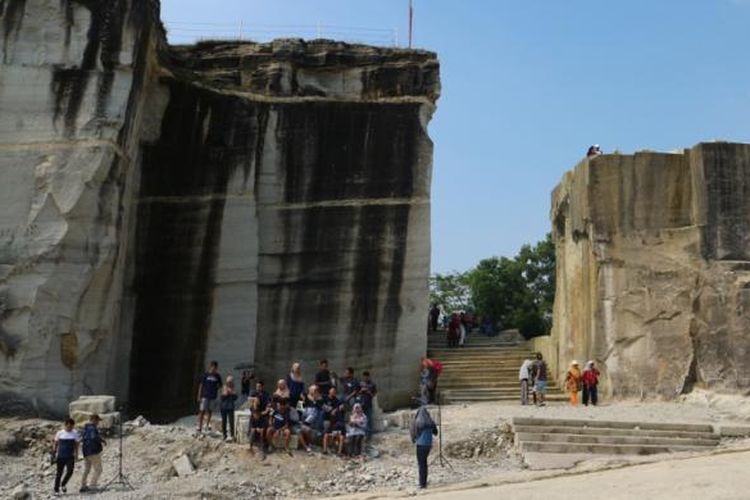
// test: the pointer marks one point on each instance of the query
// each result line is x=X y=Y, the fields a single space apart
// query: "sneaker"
x=83 y=489
x=64 y=489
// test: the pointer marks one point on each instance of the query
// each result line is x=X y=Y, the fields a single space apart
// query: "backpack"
x=92 y=443
x=438 y=367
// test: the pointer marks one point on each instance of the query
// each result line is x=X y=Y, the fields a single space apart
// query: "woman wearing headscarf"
x=356 y=430
x=573 y=382
x=422 y=429
x=590 y=383
x=296 y=384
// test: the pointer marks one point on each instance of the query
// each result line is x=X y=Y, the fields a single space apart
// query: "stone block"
x=183 y=466
x=93 y=404
x=734 y=431
x=109 y=420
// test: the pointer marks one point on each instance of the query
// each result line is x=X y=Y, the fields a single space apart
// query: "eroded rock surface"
x=163 y=206
x=653 y=254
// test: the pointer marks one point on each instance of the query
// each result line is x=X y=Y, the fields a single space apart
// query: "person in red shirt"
x=590 y=382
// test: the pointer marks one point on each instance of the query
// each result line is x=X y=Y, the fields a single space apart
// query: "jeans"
x=590 y=393
x=67 y=464
x=227 y=415
x=422 y=453
x=92 y=462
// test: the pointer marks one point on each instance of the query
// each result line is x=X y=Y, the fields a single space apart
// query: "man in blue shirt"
x=208 y=393
x=281 y=422
x=367 y=391
x=350 y=387
x=92 y=447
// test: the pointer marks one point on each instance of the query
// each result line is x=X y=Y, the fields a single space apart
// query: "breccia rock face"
x=654 y=270
x=164 y=206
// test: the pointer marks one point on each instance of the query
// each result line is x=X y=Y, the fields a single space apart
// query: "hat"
x=574 y=362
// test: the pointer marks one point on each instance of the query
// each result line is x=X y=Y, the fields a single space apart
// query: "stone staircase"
x=548 y=435
x=485 y=369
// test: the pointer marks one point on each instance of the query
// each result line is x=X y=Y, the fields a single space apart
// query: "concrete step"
x=612 y=424
x=606 y=431
x=461 y=398
x=525 y=437
x=608 y=449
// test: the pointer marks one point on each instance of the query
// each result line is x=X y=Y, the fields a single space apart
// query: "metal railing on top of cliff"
x=179 y=32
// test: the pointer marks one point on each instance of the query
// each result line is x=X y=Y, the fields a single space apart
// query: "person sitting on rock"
x=282 y=391
x=257 y=429
x=573 y=382
x=259 y=398
x=280 y=425
x=590 y=379
x=356 y=430
x=311 y=427
x=334 y=432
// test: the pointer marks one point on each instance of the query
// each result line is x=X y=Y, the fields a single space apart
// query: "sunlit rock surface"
x=653 y=269
x=164 y=206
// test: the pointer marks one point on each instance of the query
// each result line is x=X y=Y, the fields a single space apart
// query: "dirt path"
x=714 y=477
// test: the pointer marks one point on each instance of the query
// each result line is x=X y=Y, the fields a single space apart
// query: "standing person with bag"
x=590 y=384
x=92 y=447
x=422 y=429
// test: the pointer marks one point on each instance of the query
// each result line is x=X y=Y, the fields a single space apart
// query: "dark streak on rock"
x=12 y=21
x=177 y=244
x=104 y=43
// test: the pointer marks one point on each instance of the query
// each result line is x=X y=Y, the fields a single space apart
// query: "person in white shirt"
x=524 y=375
x=65 y=451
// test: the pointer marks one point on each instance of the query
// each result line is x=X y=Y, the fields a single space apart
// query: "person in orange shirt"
x=573 y=382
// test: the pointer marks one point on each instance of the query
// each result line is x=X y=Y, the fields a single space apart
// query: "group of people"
x=533 y=378
x=66 y=445
x=586 y=382
x=334 y=411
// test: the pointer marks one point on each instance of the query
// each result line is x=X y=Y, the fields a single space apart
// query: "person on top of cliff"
x=590 y=384
x=539 y=369
x=208 y=393
x=594 y=150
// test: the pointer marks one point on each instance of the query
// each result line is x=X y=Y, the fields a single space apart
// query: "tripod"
x=440 y=458
x=120 y=480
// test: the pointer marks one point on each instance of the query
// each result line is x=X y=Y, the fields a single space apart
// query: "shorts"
x=540 y=386
x=209 y=405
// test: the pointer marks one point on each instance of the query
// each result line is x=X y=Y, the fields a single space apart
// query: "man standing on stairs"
x=540 y=378
x=524 y=374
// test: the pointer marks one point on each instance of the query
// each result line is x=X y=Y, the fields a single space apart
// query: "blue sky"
x=527 y=87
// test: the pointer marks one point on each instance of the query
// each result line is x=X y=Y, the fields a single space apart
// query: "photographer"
x=422 y=429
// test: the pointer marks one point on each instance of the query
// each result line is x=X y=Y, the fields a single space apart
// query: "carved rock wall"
x=653 y=270
x=163 y=206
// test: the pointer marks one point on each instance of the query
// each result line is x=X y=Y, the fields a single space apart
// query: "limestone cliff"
x=653 y=270
x=163 y=206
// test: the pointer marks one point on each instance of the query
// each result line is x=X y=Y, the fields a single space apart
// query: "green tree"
x=517 y=292
x=451 y=291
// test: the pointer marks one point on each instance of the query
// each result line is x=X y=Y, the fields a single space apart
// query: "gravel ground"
x=477 y=444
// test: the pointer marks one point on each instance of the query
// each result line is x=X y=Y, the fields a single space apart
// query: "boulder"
x=93 y=404
x=183 y=466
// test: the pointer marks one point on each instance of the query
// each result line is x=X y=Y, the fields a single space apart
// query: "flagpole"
x=411 y=21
